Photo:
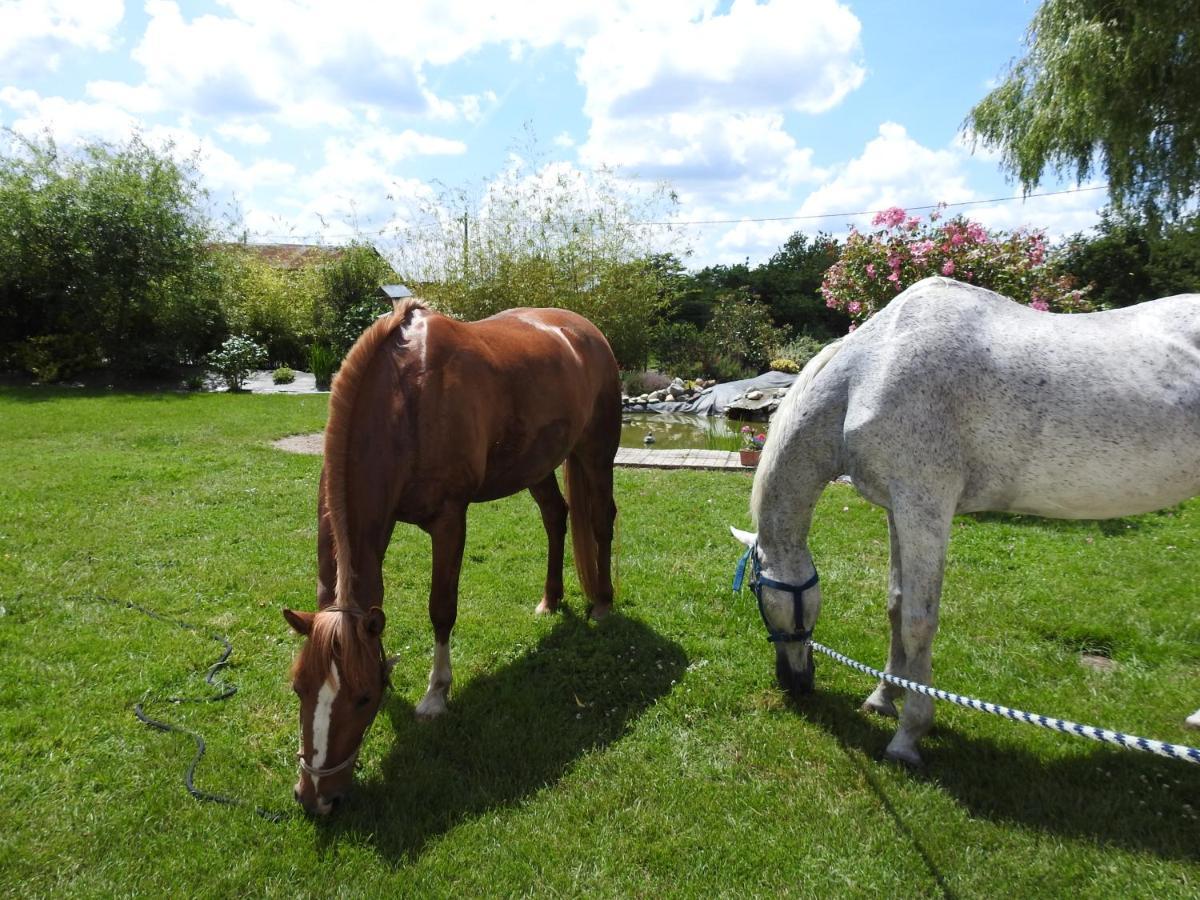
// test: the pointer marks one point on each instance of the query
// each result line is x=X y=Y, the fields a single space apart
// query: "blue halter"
x=758 y=582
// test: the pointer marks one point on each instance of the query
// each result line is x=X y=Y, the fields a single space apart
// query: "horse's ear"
x=371 y=625
x=745 y=537
x=301 y=622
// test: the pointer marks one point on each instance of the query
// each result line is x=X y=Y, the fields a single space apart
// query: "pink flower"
x=920 y=249
x=913 y=223
x=853 y=307
x=1040 y=305
x=746 y=429
x=870 y=270
x=852 y=327
x=895 y=276
x=948 y=268
x=977 y=233
x=889 y=218
x=894 y=261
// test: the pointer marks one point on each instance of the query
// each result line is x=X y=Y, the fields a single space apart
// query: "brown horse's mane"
x=332 y=639
x=342 y=400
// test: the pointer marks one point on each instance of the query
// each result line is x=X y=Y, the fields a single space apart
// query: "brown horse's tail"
x=590 y=499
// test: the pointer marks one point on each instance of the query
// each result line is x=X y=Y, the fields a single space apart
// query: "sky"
x=317 y=121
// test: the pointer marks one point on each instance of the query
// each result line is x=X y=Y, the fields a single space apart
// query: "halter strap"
x=315 y=772
x=757 y=582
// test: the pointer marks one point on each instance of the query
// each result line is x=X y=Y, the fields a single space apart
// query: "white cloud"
x=244 y=132
x=70 y=122
x=34 y=34
x=893 y=170
x=1058 y=215
x=776 y=55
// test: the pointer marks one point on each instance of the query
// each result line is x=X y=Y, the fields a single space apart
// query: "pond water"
x=679 y=431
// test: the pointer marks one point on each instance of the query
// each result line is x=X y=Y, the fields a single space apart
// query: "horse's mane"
x=342 y=401
x=331 y=639
x=784 y=422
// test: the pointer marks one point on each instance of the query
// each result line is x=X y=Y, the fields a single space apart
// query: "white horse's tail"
x=783 y=422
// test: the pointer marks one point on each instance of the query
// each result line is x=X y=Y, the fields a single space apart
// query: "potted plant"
x=752 y=445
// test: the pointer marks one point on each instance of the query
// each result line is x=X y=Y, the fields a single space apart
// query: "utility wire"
x=685 y=223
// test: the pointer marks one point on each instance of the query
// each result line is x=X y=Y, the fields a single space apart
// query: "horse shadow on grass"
x=509 y=733
x=1105 y=795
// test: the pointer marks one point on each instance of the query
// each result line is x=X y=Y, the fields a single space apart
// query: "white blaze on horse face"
x=321 y=717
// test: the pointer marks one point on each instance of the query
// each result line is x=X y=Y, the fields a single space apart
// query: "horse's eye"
x=361 y=702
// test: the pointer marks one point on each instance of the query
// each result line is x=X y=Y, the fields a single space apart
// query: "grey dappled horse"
x=954 y=399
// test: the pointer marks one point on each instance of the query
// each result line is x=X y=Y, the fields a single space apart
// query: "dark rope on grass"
x=224 y=692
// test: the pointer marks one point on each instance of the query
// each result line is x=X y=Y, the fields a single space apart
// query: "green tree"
x=103 y=258
x=1130 y=258
x=1107 y=85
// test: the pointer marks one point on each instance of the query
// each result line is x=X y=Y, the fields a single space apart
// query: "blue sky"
x=312 y=120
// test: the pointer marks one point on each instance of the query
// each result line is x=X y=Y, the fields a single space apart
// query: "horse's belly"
x=1098 y=488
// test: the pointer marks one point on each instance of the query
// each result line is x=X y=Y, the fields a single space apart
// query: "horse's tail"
x=788 y=411
x=338 y=430
x=590 y=500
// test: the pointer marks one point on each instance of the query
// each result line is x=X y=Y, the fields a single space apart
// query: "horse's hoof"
x=881 y=706
x=1193 y=721
x=600 y=611
x=907 y=756
x=545 y=608
x=432 y=706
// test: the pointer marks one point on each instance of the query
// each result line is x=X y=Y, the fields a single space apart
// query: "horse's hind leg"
x=883 y=698
x=554 y=518
x=449 y=533
x=922 y=533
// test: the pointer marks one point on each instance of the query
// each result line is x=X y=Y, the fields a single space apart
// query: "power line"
x=398 y=228
x=868 y=212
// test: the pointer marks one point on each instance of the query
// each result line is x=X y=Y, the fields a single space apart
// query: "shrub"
x=56 y=357
x=106 y=245
x=283 y=375
x=637 y=383
x=741 y=334
x=235 y=359
x=322 y=362
x=800 y=349
x=873 y=268
x=784 y=365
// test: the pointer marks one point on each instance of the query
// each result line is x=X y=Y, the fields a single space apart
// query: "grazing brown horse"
x=426 y=416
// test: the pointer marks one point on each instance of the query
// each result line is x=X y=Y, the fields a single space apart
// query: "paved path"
x=626 y=456
x=680 y=459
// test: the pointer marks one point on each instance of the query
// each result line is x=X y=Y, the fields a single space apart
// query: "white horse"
x=954 y=399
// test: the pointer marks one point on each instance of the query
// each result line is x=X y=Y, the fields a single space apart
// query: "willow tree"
x=1108 y=87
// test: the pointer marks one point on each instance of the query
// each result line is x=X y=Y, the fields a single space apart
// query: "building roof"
x=288 y=256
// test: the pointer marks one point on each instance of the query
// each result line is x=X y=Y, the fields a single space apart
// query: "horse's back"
x=1075 y=416
x=505 y=399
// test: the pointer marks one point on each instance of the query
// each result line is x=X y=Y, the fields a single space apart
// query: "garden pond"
x=680 y=431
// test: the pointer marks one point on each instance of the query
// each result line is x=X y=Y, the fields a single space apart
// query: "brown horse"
x=428 y=415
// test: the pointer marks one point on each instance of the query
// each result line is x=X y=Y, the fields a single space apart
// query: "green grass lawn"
x=648 y=755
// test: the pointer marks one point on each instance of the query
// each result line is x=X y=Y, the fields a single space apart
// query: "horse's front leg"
x=883 y=699
x=554 y=519
x=923 y=531
x=449 y=534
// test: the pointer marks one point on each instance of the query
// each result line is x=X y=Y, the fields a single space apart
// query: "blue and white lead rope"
x=1103 y=735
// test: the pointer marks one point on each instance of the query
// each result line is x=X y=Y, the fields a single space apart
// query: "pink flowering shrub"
x=873 y=268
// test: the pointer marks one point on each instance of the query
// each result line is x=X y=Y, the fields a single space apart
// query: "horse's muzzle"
x=796 y=683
